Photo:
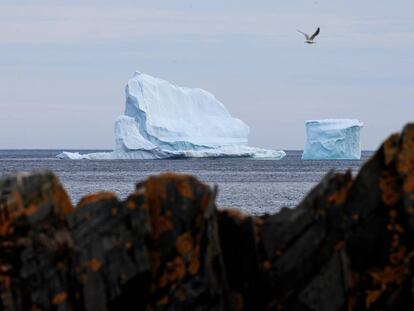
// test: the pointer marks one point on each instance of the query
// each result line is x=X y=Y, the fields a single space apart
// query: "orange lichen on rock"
x=382 y=280
x=372 y=296
x=176 y=269
x=31 y=209
x=405 y=165
x=132 y=200
x=163 y=301
x=393 y=213
x=279 y=252
x=59 y=298
x=398 y=252
x=409 y=183
x=398 y=257
x=5 y=281
x=235 y=213
x=100 y=196
x=184 y=244
x=94 y=264
x=390 y=148
x=194 y=265
x=390 y=190
x=10 y=210
x=408 y=138
x=163 y=281
x=405 y=159
x=388 y=275
x=340 y=195
x=129 y=245
x=61 y=199
x=131 y=204
x=17 y=204
x=185 y=189
x=162 y=224
x=155 y=193
x=155 y=186
x=60 y=265
x=408 y=189
x=159 y=223
x=267 y=265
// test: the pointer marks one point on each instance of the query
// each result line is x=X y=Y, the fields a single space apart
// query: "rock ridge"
x=348 y=245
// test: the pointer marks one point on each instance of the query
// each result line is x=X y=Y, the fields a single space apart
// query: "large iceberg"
x=162 y=120
x=333 y=139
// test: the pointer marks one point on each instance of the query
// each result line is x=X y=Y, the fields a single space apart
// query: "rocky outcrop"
x=348 y=245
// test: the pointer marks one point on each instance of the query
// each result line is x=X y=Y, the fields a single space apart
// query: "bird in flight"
x=309 y=39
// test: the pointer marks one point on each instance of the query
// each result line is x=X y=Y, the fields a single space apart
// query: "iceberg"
x=333 y=139
x=162 y=120
x=69 y=155
x=90 y=156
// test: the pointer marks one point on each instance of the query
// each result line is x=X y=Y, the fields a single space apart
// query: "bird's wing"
x=305 y=34
x=315 y=34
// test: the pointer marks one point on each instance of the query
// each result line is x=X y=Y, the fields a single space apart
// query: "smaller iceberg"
x=66 y=155
x=333 y=139
x=70 y=155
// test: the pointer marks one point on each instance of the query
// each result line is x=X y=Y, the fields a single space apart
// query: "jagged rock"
x=348 y=246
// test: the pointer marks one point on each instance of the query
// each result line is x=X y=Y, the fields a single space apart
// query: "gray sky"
x=64 y=66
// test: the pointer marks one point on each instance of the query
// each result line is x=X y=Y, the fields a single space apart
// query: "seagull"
x=309 y=40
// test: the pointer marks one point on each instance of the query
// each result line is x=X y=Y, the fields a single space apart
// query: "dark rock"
x=348 y=246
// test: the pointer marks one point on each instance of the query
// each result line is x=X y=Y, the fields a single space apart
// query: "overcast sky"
x=64 y=65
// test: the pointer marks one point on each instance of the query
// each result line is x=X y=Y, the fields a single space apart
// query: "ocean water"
x=254 y=186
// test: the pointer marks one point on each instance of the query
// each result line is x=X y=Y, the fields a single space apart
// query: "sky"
x=64 y=65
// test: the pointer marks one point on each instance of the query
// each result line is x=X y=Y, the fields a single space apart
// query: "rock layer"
x=348 y=246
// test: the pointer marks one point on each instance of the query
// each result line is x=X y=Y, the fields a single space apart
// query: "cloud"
x=65 y=24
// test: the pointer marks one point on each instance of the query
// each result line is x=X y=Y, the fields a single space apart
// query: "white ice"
x=333 y=139
x=162 y=120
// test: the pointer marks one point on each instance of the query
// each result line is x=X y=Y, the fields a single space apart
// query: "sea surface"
x=254 y=186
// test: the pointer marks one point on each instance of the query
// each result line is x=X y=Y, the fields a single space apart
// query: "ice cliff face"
x=333 y=139
x=162 y=120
